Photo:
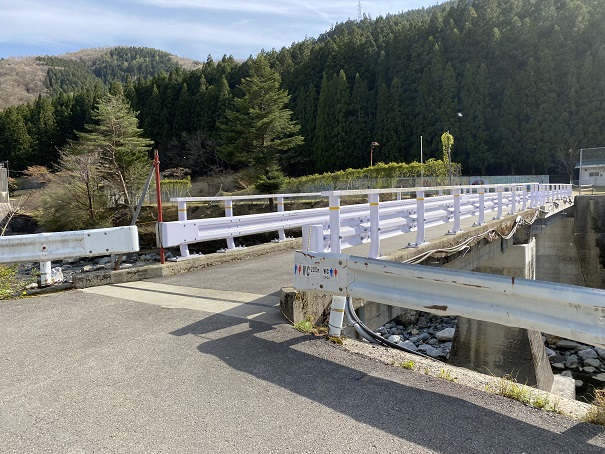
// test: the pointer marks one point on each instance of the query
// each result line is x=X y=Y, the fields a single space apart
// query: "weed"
x=409 y=365
x=446 y=375
x=508 y=387
x=307 y=327
x=9 y=283
x=596 y=413
x=539 y=402
x=335 y=340
x=427 y=371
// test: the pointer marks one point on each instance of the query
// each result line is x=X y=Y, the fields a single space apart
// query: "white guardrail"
x=568 y=311
x=351 y=225
x=46 y=247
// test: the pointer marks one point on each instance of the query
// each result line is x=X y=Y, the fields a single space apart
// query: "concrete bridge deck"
x=204 y=362
x=86 y=372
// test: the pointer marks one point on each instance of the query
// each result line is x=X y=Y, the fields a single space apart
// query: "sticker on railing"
x=330 y=273
x=307 y=270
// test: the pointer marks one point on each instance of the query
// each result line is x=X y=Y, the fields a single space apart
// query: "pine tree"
x=119 y=144
x=258 y=129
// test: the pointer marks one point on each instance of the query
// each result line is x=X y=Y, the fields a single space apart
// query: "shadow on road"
x=405 y=404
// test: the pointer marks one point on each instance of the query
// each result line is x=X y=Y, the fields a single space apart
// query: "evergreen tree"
x=258 y=129
x=117 y=140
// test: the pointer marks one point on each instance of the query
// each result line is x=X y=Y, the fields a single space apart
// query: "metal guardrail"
x=46 y=247
x=350 y=225
x=568 y=311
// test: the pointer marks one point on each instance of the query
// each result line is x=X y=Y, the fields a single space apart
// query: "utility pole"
x=374 y=144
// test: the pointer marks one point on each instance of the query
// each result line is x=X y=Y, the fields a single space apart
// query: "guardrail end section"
x=322 y=272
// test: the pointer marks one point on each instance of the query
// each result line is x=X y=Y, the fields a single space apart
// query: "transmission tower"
x=359 y=11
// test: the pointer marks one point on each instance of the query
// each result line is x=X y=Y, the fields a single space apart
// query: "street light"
x=374 y=144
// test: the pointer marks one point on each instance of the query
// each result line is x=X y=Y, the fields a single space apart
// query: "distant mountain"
x=22 y=80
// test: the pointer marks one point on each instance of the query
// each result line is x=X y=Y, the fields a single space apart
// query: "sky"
x=187 y=28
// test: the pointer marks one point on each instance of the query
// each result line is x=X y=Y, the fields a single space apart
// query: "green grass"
x=408 y=365
x=9 y=283
x=446 y=374
x=307 y=327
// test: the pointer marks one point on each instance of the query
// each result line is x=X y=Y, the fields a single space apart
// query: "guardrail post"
x=499 y=212
x=313 y=238
x=481 y=219
x=229 y=214
x=420 y=231
x=337 y=314
x=513 y=193
x=280 y=208
x=182 y=213
x=45 y=274
x=374 y=225
x=456 y=228
x=523 y=198
x=335 y=222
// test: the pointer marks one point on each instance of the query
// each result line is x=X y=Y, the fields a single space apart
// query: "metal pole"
x=335 y=222
x=374 y=226
x=580 y=171
x=182 y=216
x=421 y=165
x=229 y=214
x=280 y=208
x=156 y=164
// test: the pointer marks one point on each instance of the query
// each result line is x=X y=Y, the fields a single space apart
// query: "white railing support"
x=481 y=219
x=334 y=201
x=337 y=313
x=499 y=212
x=374 y=225
x=280 y=208
x=46 y=274
x=420 y=230
x=312 y=238
x=229 y=214
x=513 y=208
x=182 y=215
x=456 y=228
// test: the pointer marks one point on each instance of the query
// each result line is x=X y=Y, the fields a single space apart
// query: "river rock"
x=424 y=336
x=550 y=352
x=600 y=377
x=395 y=338
x=571 y=362
x=592 y=362
x=567 y=344
x=409 y=345
x=588 y=353
x=431 y=351
x=589 y=369
x=559 y=366
x=600 y=351
x=446 y=335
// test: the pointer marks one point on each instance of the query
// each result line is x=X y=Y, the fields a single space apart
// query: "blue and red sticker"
x=315 y=271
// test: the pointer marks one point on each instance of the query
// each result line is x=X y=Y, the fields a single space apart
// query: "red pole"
x=156 y=165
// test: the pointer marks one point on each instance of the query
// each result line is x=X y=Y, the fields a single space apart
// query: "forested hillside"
x=516 y=82
x=23 y=79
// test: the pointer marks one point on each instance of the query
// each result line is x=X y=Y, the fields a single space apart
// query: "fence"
x=350 y=225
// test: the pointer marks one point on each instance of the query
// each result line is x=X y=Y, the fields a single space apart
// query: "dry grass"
x=596 y=413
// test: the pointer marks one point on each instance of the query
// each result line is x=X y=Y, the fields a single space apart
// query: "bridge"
x=237 y=289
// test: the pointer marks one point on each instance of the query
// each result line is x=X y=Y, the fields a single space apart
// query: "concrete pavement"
x=84 y=371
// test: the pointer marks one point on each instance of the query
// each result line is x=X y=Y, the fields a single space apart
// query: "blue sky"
x=188 y=28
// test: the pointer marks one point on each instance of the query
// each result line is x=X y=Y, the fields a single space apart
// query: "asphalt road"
x=85 y=371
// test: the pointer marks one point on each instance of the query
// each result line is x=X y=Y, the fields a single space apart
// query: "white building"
x=592 y=172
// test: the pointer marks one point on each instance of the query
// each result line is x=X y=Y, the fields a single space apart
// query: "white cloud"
x=190 y=28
